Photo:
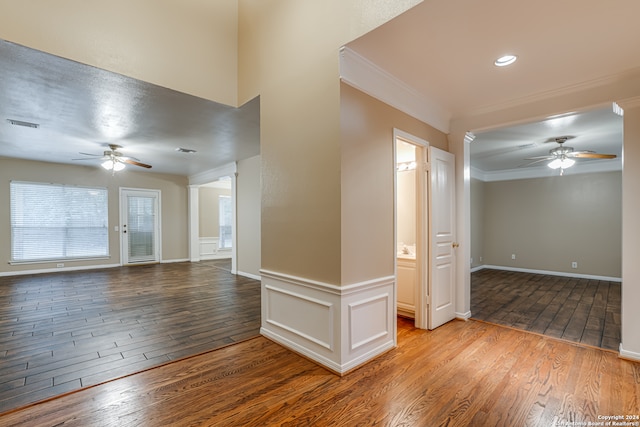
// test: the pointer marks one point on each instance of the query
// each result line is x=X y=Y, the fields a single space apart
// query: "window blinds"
x=58 y=222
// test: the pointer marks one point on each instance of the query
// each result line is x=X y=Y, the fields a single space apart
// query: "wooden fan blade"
x=594 y=156
x=88 y=158
x=89 y=154
x=133 y=162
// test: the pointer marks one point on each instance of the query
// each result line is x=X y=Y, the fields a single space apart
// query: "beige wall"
x=477 y=222
x=550 y=222
x=187 y=45
x=248 y=216
x=291 y=51
x=209 y=210
x=173 y=212
x=368 y=247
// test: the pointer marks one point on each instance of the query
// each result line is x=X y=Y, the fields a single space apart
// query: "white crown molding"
x=544 y=172
x=213 y=174
x=629 y=103
x=364 y=75
x=610 y=80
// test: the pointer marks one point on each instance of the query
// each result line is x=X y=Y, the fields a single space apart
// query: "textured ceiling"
x=83 y=109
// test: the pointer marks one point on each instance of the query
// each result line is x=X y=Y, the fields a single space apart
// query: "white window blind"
x=58 y=222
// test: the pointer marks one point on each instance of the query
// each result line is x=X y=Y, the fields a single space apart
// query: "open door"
x=441 y=288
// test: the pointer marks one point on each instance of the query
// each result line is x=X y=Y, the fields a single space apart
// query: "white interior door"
x=441 y=294
x=140 y=226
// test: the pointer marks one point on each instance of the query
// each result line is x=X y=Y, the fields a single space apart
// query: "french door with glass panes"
x=140 y=226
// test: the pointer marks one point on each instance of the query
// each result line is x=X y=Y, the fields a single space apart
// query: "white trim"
x=610 y=80
x=326 y=287
x=157 y=226
x=57 y=270
x=463 y=316
x=549 y=273
x=213 y=174
x=545 y=172
x=327 y=306
x=171 y=261
x=629 y=354
x=249 y=275
x=364 y=75
x=339 y=327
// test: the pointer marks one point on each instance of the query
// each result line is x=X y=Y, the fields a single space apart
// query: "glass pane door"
x=140 y=227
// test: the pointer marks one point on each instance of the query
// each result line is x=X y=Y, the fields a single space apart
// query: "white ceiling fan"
x=114 y=160
x=562 y=157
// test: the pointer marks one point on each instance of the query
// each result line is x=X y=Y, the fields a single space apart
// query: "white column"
x=194 y=224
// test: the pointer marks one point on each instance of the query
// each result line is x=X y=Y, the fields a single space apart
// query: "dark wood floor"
x=461 y=374
x=64 y=331
x=580 y=310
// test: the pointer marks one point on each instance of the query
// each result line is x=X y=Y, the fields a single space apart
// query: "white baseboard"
x=632 y=355
x=249 y=275
x=170 y=261
x=337 y=327
x=547 y=272
x=463 y=316
x=57 y=270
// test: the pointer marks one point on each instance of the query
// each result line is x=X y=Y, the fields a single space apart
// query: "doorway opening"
x=411 y=228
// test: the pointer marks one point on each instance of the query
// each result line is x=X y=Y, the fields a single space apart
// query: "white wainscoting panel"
x=208 y=247
x=338 y=327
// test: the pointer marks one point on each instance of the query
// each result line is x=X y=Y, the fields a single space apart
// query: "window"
x=58 y=222
x=226 y=218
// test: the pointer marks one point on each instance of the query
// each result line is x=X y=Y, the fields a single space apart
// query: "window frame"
x=74 y=257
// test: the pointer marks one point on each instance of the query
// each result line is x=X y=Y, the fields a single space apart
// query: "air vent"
x=25 y=124
x=185 y=150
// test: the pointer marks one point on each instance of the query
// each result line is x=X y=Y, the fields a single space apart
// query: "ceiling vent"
x=25 y=124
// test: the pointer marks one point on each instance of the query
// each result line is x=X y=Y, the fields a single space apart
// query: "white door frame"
x=422 y=224
x=195 y=181
x=123 y=193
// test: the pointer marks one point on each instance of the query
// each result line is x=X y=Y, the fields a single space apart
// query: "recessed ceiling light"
x=185 y=150
x=505 y=60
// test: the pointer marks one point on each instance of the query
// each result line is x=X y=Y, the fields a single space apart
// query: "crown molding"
x=213 y=174
x=629 y=103
x=364 y=75
x=544 y=172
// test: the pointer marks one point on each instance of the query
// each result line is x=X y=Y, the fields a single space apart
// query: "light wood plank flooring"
x=64 y=331
x=461 y=374
x=580 y=310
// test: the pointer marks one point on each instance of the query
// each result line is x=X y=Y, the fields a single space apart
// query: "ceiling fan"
x=114 y=160
x=562 y=156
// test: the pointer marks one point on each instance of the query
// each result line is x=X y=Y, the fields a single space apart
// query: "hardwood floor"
x=461 y=374
x=64 y=331
x=580 y=310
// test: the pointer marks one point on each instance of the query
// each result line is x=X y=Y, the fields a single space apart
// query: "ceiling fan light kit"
x=113 y=165
x=113 y=160
x=562 y=157
x=561 y=163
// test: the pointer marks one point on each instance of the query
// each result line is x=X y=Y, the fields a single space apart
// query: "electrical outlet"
x=60 y=265
x=513 y=256
x=472 y=261
x=574 y=264
x=480 y=259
